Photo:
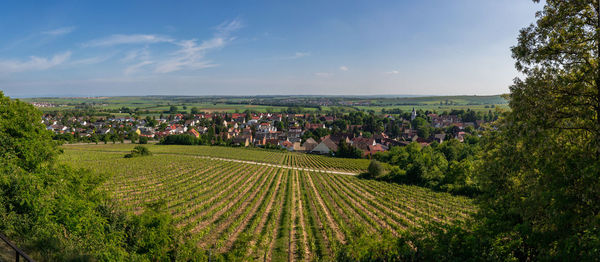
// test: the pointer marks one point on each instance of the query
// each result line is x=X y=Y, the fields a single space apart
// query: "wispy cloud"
x=135 y=54
x=129 y=39
x=299 y=55
x=135 y=68
x=60 y=31
x=34 y=63
x=91 y=60
x=323 y=74
x=344 y=68
x=393 y=72
x=288 y=57
x=191 y=54
x=228 y=27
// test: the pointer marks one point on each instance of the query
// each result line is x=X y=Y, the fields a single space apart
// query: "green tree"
x=143 y=140
x=56 y=213
x=375 y=169
x=540 y=178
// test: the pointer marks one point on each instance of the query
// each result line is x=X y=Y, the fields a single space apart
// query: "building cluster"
x=261 y=130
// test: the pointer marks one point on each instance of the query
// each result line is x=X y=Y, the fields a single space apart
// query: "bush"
x=139 y=151
x=375 y=169
x=143 y=140
x=56 y=213
x=183 y=139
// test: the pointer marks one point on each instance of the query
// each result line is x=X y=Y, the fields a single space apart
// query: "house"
x=310 y=126
x=439 y=138
x=294 y=132
x=266 y=128
x=326 y=146
x=298 y=148
x=363 y=143
x=287 y=145
x=372 y=149
x=242 y=140
x=103 y=131
x=461 y=136
x=194 y=132
x=310 y=144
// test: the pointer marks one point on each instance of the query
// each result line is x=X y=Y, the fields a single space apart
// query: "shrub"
x=139 y=151
x=375 y=169
x=143 y=140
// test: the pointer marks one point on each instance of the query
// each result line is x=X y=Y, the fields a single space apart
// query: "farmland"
x=154 y=105
x=298 y=160
x=265 y=205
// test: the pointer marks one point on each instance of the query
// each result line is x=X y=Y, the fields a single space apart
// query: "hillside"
x=261 y=210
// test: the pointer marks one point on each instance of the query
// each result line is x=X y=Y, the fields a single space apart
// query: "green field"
x=158 y=104
x=270 y=208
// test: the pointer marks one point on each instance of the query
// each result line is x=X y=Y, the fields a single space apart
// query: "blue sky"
x=96 y=48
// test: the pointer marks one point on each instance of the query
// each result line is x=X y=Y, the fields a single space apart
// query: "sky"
x=123 y=48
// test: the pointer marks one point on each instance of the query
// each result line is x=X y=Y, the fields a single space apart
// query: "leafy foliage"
x=55 y=212
x=375 y=169
x=449 y=166
x=138 y=151
x=541 y=169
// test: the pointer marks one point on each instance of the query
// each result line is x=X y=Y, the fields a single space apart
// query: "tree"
x=23 y=139
x=173 y=110
x=540 y=178
x=348 y=151
x=143 y=140
x=56 y=213
x=375 y=169
x=138 y=151
x=422 y=126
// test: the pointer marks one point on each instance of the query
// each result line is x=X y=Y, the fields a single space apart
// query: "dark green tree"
x=541 y=176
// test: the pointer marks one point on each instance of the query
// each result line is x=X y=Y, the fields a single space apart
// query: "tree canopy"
x=541 y=174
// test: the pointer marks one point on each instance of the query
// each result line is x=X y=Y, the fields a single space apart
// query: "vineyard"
x=246 y=154
x=262 y=211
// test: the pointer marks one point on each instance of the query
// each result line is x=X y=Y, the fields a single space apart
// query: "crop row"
x=265 y=212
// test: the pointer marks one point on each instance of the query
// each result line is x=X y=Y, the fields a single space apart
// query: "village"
x=307 y=133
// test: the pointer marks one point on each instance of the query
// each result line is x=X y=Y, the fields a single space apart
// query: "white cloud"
x=136 y=54
x=59 y=31
x=289 y=57
x=34 y=63
x=393 y=72
x=191 y=54
x=344 y=68
x=228 y=27
x=135 y=68
x=91 y=60
x=129 y=39
x=323 y=74
x=299 y=55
